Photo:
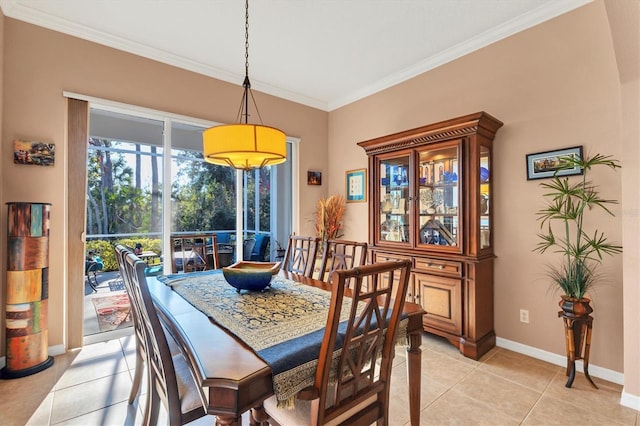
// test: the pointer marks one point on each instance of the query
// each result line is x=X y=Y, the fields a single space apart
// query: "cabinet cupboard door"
x=441 y=298
x=393 y=220
x=438 y=197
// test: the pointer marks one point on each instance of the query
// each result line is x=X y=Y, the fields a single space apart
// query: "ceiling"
x=321 y=53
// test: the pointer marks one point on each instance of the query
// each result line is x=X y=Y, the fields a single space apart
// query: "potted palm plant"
x=563 y=223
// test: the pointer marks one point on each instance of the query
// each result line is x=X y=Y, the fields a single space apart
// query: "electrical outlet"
x=524 y=316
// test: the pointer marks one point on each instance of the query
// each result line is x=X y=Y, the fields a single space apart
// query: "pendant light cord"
x=247 y=84
x=246 y=40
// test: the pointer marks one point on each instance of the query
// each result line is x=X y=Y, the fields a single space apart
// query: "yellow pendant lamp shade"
x=244 y=146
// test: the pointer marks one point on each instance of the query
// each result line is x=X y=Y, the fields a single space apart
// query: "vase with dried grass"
x=329 y=214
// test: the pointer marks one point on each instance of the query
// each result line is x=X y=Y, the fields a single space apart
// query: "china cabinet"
x=430 y=193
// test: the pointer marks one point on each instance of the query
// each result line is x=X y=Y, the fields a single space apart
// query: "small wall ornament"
x=314 y=178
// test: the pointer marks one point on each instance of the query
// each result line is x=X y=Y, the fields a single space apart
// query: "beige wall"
x=553 y=86
x=631 y=226
x=41 y=64
x=2 y=150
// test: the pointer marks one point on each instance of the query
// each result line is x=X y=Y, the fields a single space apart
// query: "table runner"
x=284 y=325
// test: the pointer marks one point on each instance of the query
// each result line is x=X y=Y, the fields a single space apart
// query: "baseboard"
x=56 y=350
x=561 y=360
x=630 y=401
x=626 y=399
x=101 y=337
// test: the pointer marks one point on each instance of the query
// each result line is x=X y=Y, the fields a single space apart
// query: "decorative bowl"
x=252 y=276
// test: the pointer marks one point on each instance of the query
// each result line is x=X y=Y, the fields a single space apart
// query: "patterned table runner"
x=284 y=325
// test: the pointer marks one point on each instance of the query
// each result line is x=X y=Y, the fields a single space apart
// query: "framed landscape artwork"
x=36 y=153
x=356 y=182
x=547 y=164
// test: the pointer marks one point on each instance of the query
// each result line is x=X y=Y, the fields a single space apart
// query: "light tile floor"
x=91 y=387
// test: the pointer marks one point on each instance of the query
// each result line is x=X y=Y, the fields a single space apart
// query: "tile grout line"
x=535 y=404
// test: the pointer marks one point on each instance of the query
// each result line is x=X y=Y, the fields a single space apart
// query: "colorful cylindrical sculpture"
x=27 y=289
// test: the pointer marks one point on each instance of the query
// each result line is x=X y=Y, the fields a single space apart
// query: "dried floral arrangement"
x=329 y=213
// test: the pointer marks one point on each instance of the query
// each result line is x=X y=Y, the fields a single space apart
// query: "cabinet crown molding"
x=479 y=122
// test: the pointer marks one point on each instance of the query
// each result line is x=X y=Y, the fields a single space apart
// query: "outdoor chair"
x=225 y=254
x=194 y=252
x=340 y=254
x=300 y=256
x=259 y=252
x=359 y=392
x=171 y=381
x=91 y=269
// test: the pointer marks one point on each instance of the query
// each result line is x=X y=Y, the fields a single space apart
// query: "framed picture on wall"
x=314 y=178
x=547 y=164
x=356 y=186
x=34 y=153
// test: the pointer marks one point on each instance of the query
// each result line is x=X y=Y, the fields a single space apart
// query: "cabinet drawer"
x=441 y=267
x=388 y=257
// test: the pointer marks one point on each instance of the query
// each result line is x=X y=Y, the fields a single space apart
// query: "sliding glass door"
x=137 y=192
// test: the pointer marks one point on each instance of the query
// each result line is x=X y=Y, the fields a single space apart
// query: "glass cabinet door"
x=438 y=197
x=394 y=221
x=485 y=198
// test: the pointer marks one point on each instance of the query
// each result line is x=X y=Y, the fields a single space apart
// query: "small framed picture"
x=356 y=182
x=314 y=178
x=547 y=164
x=34 y=153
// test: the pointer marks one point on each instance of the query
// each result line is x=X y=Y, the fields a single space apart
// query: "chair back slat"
x=368 y=342
x=300 y=256
x=340 y=254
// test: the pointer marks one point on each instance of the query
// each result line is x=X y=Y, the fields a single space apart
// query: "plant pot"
x=575 y=307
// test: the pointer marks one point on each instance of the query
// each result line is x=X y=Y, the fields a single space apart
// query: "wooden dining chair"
x=140 y=341
x=340 y=254
x=171 y=381
x=300 y=257
x=355 y=389
x=121 y=253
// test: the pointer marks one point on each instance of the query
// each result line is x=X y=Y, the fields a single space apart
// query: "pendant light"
x=245 y=146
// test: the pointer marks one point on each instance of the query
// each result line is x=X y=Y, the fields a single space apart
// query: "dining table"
x=236 y=377
x=150 y=257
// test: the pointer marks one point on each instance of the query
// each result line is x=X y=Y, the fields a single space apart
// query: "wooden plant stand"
x=577 y=331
